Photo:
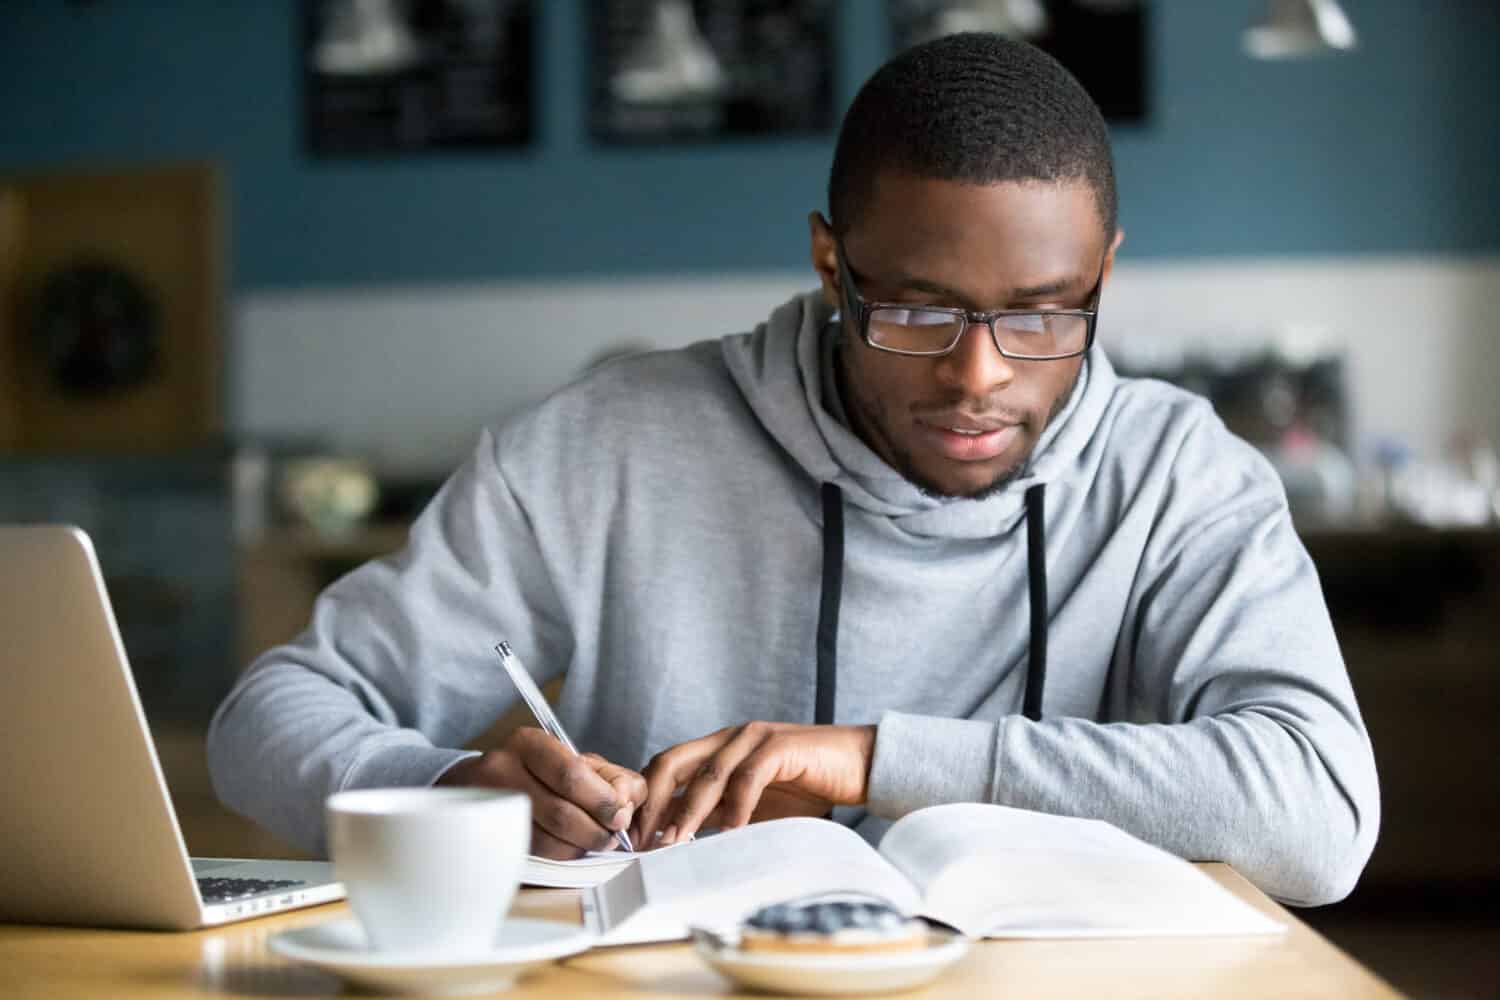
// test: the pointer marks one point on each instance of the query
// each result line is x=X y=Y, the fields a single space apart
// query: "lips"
x=968 y=440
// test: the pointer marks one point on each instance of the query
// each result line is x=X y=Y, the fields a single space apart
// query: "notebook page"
x=578 y=873
x=581 y=873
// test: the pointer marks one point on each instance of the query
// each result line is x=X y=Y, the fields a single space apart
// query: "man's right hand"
x=577 y=802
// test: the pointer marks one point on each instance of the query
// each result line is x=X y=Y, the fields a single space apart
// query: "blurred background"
x=266 y=269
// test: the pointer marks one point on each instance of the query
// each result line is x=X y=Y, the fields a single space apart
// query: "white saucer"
x=339 y=946
x=856 y=972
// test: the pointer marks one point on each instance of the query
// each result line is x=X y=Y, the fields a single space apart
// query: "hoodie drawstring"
x=833 y=586
x=828 y=607
x=1036 y=574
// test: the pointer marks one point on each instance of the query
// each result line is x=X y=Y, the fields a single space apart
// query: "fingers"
x=720 y=776
x=560 y=829
x=562 y=821
x=578 y=801
x=742 y=793
x=729 y=782
x=629 y=788
x=544 y=845
x=626 y=814
x=567 y=776
x=667 y=771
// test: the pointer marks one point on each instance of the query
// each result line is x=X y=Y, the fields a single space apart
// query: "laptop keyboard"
x=225 y=890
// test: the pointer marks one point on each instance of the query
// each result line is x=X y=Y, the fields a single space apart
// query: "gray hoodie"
x=656 y=530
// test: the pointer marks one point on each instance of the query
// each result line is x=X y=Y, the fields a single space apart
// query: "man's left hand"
x=759 y=770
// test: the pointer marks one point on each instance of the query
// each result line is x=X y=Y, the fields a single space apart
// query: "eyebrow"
x=913 y=283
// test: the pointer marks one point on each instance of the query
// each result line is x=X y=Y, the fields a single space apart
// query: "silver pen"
x=532 y=695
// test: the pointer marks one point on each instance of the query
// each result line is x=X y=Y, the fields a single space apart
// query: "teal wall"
x=1392 y=149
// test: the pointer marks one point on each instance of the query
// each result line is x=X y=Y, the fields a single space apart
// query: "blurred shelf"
x=299 y=541
x=1396 y=534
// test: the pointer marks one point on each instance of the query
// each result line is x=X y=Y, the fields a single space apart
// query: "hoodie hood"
x=784 y=371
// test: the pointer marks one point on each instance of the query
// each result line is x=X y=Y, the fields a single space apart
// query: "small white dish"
x=829 y=975
x=340 y=946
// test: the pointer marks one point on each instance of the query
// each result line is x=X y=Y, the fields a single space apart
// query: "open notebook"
x=581 y=873
x=989 y=871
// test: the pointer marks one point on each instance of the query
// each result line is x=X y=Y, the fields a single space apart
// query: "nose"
x=975 y=365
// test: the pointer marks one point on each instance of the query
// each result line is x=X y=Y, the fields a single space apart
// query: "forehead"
x=1029 y=231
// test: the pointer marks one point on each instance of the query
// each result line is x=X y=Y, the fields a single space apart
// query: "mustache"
x=968 y=410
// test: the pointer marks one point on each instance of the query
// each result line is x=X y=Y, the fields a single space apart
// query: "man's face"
x=1011 y=245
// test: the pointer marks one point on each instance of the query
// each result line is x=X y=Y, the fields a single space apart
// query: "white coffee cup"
x=429 y=870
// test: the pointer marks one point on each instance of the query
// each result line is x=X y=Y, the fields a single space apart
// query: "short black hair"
x=973 y=107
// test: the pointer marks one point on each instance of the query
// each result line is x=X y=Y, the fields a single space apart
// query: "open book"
x=989 y=871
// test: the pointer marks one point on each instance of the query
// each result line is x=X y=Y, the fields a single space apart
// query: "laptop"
x=87 y=831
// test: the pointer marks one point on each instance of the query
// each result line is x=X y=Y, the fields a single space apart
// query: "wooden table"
x=63 y=962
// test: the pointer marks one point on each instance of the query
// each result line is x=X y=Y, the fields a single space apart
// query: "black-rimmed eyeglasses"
x=932 y=331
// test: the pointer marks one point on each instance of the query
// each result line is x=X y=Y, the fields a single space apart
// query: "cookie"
x=833 y=926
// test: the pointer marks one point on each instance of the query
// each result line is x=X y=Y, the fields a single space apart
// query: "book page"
x=925 y=842
x=993 y=871
x=717 y=881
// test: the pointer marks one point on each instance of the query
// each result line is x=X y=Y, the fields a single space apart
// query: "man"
x=911 y=541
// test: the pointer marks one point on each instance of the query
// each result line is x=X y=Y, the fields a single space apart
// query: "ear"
x=825 y=258
x=1109 y=256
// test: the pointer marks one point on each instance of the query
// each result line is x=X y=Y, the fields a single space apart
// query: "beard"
x=872 y=418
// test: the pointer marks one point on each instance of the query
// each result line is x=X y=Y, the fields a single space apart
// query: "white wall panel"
x=406 y=376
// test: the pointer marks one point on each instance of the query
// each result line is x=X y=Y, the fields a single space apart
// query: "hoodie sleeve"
x=397 y=667
x=1242 y=741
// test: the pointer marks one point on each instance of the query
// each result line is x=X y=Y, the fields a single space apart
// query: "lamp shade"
x=1292 y=28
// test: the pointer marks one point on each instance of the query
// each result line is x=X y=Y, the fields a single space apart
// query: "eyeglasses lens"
x=1023 y=335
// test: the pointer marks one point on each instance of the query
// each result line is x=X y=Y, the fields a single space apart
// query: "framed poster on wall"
x=400 y=76
x=671 y=70
x=1101 y=42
